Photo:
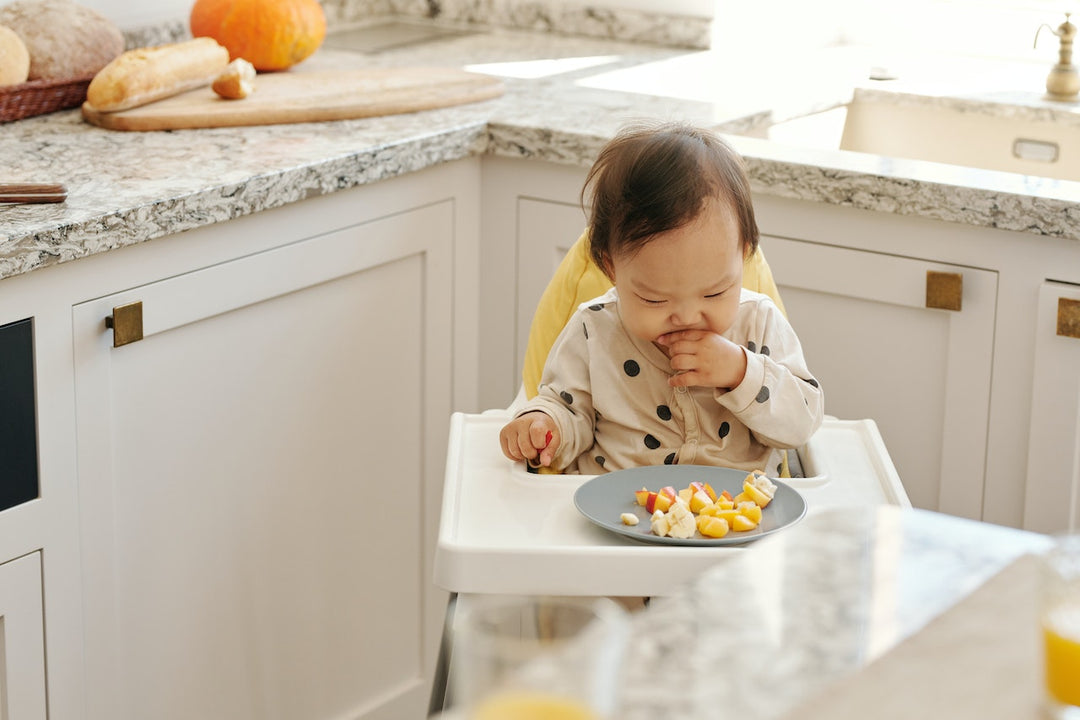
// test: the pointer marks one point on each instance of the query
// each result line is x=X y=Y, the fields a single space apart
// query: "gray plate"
x=605 y=497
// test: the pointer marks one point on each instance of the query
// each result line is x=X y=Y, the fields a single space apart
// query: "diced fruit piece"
x=629 y=519
x=712 y=526
x=741 y=497
x=699 y=500
x=705 y=488
x=728 y=514
x=750 y=510
x=681 y=523
x=725 y=503
x=685 y=494
x=742 y=523
x=650 y=502
x=659 y=524
x=710 y=509
x=725 y=494
x=641 y=496
x=755 y=494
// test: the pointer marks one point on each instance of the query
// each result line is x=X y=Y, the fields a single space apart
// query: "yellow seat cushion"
x=578 y=279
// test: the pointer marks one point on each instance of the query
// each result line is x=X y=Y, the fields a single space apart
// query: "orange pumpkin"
x=270 y=34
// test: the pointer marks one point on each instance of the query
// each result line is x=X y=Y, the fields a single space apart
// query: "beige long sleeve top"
x=609 y=396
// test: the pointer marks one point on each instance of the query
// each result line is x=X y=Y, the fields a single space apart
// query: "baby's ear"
x=607 y=267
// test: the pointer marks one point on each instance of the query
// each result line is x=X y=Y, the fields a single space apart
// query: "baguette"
x=143 y=75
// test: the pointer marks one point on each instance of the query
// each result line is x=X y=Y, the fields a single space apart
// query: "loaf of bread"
x=144 y=75
x=64 y=39
x=14 y=58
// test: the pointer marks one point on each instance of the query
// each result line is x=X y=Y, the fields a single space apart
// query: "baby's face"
x=684 y=279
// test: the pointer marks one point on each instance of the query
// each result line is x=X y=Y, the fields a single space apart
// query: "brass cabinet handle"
x=126 y=323
x=944 y=291
x=1068 y=317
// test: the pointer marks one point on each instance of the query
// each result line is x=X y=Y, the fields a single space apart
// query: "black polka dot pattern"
x=651 y=442
x=763 y=394
x=567 y=397
x=764 y=349
x=670 y=459
x=663 y=412
x=585 y=329
x=596 y=308
x=812 y=382
x=600 y=460
x=725 y=428
x=631 y=368
x=751 y=346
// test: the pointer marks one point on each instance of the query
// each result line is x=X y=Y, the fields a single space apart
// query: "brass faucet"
x=1063 y=82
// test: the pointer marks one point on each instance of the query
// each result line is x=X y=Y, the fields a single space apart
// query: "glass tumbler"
x=1060 y=620
x=533 y=658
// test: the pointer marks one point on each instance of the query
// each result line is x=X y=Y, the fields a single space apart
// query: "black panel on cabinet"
x=18 y=421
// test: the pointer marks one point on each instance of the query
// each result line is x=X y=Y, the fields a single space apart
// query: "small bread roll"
x=14 y=58
x=64 y=39
x=144 y=75
x=237 y=81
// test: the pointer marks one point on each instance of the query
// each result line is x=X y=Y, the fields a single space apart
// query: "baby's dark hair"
x=651 y=179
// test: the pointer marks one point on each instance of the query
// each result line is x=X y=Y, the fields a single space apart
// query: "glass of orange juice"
x=537 y=658
x=1060 y=619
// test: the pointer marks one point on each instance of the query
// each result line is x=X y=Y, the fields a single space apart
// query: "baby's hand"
x=532 y=437
x=703 y=359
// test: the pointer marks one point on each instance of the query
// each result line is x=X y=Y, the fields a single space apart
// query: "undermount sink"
x=1033 y=137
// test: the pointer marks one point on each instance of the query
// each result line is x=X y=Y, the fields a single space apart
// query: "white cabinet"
x=1052 y=498
x=922 y=373
x=260 y=476
x=532 y=215
x=22 y=640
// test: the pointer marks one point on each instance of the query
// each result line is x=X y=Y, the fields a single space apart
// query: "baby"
x=677 y=363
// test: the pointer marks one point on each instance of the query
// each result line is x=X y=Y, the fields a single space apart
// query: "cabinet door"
x=922 y=374
x=254 y=475
x=1052 y=495
x=546 y=230
x=22 y=640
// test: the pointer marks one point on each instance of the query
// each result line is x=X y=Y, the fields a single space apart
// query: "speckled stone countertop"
x=565 y=97
x=764 y=632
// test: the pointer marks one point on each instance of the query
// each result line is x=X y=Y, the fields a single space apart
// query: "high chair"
x=505 y=530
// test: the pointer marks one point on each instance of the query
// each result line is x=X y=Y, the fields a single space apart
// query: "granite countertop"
x=565 y=96
x=764 y=632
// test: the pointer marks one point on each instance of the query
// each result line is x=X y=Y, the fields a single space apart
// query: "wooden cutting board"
x=311 y=96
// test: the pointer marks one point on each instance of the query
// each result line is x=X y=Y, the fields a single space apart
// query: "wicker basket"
x=38 y=97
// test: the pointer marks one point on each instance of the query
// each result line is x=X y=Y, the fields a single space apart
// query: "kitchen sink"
x=1030 y=136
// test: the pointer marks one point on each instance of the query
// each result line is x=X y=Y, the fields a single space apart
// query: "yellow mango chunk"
x=742 y=523
x=750 y=510
x=713 y=527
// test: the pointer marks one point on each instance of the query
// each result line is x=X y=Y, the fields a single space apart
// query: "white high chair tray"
x=504 y=530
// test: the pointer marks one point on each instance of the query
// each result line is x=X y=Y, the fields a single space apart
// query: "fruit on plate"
x=678 y=522
x=642 y=496
x=662 y=500
x=270 y=34
x=14 y=58
x=712 y=515
x=629 y=519
x=705 y=488
x=712 y=527
x=759 y=488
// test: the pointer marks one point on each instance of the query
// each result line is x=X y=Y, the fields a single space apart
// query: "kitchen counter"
x=565 y=97
x=764 y=632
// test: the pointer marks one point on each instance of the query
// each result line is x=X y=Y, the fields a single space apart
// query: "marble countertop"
x=765 y=631
x=565 y=97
